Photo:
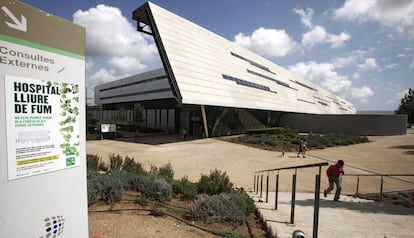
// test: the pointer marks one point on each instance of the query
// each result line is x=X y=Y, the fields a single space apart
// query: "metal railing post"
x=257 y=184
x=292 y=207
x=254 y=183
x=276 y=190
x=267 y=188
x=316 y=204
x=357 y=187
x=261 y=185
x=382 y=188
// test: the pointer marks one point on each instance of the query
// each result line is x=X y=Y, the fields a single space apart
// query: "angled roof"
x=206 y=69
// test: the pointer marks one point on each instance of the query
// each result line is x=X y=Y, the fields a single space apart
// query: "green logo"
x=70 y=150
x=70 y=161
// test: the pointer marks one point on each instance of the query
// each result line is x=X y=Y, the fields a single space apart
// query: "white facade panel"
x=199 y=59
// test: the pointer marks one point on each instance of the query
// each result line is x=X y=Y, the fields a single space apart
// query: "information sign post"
x=42 y=124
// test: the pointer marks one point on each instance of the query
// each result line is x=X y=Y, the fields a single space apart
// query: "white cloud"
x=124 y=65
x=392 y=66
x=305 y=16
x=267 y=42
x=400 y=55
x=356 y=76
x=412 y=65
x=113 y=46
x=362 y=94
x=102 y=76
x=342 y=62
x=396 y=14
x=369 y=64
x=318 y=35
x=110 y=34
x=323 y=74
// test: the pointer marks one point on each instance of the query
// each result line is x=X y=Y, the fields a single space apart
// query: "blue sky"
x=361 y=50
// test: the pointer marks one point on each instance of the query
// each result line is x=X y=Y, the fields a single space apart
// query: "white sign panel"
x=42 y=126
x=108 y=127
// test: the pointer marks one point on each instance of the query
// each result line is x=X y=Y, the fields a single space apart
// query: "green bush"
x=105 y=187
x=225 y=207
x=215 y=183
x=271 y=130
x=92 y=161
x=140 y=183
x=94 y=186
x=130 y=165
x=166 y=171
x=158 y=190
x=185 y=188
x=112 y=189
x=115 y=162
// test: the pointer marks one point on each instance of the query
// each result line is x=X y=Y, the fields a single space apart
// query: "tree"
x=138 y=113
x=407 y=106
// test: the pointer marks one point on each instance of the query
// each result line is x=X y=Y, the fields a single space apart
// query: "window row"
x=134 y=83
x=247 y=83
x=270 y=78
x=302 y=100
x=137 y=93
x=252 y=62
x=304 y=85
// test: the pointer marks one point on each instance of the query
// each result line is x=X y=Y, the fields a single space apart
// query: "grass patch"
x=278 y=139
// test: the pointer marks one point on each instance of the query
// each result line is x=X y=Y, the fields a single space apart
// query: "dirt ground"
x=388 y=154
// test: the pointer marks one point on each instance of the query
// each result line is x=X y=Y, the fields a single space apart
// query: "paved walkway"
x=352 y=217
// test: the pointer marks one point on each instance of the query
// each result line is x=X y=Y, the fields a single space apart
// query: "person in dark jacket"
x=334 y=173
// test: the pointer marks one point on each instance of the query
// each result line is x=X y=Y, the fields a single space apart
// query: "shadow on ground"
x=409 y=148
x=154 y=139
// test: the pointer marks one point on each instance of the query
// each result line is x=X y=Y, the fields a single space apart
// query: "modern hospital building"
x=211 y=86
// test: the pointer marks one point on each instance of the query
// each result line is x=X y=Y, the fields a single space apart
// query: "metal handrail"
x=382 y=181
x=294 y=167
x=292 y=211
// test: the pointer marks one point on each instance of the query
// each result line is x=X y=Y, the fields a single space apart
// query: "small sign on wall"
x=108 y=128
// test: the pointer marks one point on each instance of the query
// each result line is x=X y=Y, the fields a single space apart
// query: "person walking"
x=334 y=173
x=300 y=148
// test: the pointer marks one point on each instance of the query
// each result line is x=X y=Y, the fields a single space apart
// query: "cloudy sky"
x=362 y=50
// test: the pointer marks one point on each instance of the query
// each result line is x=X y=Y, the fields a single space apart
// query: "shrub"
x=225 y=207
x=185 y=188
x=139 y=183
x=130 y=165
x=271 y=130
x=102 y=166
x=158 y=190
x=93 y=186
x=115 y=162
x=104 y=187
x=166 y=171
x=111 y=189
x=215 y=183
x=124 y=177
x=92 y=161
